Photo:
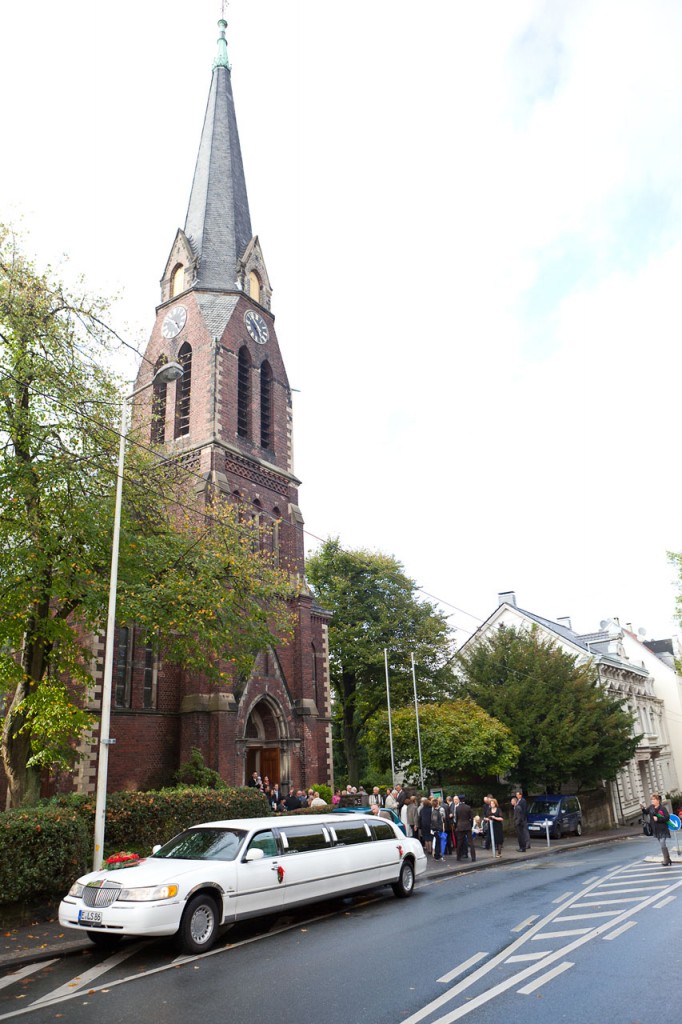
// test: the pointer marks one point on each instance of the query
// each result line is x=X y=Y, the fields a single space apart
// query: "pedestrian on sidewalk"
x=495 y=819
x=425 y=834
x=659 y=818
x=464 y=824
x=521 y=821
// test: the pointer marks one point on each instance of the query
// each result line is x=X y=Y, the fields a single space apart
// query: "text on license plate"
x=89 y=916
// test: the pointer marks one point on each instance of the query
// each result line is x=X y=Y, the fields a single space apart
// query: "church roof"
x=218 y=224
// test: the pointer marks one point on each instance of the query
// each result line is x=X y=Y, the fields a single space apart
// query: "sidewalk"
x=485 y=859
x=44 y=939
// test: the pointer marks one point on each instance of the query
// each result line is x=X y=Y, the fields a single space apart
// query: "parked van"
x=563 y=813
x=220 y=872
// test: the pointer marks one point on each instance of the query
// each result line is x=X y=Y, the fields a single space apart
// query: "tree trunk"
x=23 y=782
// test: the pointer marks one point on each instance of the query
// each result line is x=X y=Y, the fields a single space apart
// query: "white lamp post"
x=168 y=372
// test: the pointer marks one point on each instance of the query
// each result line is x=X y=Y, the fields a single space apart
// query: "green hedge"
x=42 y=850
x=138 y=821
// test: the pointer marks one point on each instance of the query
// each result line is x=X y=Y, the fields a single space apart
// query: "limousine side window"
x=382 y=830
x=304 y=838
x=349 y=833
x=266 y=842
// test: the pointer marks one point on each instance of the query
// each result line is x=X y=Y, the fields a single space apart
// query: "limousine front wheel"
x=405 y=884
x=199 y=924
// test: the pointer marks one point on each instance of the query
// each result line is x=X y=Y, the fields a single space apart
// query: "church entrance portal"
x=264 y=731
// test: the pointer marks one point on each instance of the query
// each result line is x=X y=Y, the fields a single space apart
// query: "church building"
x=228 y=418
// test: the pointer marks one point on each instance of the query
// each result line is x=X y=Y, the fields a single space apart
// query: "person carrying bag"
x=658 y=823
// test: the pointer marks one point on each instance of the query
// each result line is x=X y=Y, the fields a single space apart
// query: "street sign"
x=674 y=824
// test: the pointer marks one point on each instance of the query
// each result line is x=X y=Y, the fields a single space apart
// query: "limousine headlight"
x=76 y=890
x=151 y=892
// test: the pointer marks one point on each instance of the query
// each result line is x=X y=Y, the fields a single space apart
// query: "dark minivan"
x=563 y=813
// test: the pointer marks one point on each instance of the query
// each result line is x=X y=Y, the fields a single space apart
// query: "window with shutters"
x=159 y=394
x=183 y=391
x=243 y=392
x=266 y=405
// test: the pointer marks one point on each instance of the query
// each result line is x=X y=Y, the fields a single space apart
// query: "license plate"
x=89 y=916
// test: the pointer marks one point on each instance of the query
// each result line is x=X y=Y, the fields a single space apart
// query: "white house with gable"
x=631 y=671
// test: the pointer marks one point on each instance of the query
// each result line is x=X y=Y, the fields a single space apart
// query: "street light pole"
x=168 y=372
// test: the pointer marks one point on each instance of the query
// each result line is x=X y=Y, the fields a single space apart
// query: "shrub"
x=195 y=773
x=138 y=821
x=42 y=850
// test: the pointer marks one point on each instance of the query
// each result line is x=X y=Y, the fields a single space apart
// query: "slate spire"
x=218 y=224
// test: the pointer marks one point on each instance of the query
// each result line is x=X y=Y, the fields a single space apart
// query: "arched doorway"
x=265 y=752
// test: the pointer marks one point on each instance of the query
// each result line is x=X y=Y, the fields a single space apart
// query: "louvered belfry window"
x=159 y=405
x=183 y=390
x=243 y=392
x=266 y=406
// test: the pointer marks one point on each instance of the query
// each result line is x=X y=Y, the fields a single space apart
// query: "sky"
x=471 y=216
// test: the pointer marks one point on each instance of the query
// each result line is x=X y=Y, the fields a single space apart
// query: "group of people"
x=295 y=799
x=443 y=826
x=449 y=825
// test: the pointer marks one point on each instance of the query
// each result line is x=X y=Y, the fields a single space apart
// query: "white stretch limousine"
x=224 y=871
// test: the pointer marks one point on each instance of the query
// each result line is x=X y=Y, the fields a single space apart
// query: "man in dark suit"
x=464 y=822
x=521 y=821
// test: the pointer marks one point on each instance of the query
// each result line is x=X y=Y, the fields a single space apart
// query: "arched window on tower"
x=276 y=521
x=266 y=405
x=254 y=285
x=239 y=502
x=124 y=667
x=159 y=391
x=183 y=390
x=150 y=678
x=243 y=392
x=257 y=520
x=177 y=279
x=314 y=665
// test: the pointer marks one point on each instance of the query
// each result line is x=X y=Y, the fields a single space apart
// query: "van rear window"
x=544 y=807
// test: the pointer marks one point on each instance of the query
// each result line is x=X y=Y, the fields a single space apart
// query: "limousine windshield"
x=203 y=844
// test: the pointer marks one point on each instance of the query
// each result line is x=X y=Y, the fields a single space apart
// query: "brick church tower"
x=229 y=419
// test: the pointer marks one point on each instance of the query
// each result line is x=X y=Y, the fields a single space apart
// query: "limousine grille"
x=100 y=894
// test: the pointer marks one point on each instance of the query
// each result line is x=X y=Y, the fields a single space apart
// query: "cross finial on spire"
x=221 y=60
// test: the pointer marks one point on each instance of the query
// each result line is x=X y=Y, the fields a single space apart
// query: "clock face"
x=256 y=326
x=174 y=322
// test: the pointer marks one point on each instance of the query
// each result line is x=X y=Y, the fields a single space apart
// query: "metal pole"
x=167 y=373
x=416 y=715
x=390 y=727
x=104 y=740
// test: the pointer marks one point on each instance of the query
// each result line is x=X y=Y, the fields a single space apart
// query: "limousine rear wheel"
x=405 y=884
x=199 y=924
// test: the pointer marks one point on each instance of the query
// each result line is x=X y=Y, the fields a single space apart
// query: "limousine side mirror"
x=155 y=849
x=254 y=854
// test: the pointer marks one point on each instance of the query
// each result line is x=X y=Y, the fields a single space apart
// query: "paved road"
x=580 y=935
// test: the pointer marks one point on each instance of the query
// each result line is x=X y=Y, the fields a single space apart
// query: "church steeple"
x=218 y=224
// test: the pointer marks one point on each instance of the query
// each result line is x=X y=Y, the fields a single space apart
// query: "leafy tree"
x=375 y=608
x=188 y=576
x=565 y=724
x=456 y=736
